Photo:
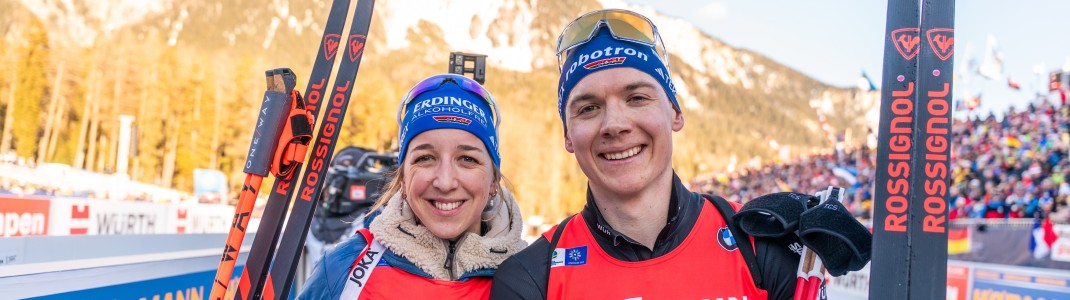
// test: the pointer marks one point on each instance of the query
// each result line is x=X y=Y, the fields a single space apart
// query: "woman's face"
x=448 y=177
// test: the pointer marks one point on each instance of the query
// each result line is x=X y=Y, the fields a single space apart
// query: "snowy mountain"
x=737 y=102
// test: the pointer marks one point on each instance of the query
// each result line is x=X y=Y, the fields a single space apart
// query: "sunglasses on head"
x=623 y=25
x=437 y=81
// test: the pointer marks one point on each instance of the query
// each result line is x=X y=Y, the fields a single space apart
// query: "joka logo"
x=330 y=45
x=726 y=240
x=360 y=271
x=906 y=41
x=604 y=62
x=942 y=40
x=356 y=46
x=453 y=119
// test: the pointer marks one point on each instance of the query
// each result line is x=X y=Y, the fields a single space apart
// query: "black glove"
x=842 y=243
x=821 y=222
x=773 y=215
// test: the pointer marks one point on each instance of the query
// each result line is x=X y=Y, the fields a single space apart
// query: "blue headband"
x=605 y=52
x=449 y=106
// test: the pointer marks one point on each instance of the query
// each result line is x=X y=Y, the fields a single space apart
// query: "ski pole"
x=803 y=277
x=811 y=273
x=288 y=157
x=269 y=127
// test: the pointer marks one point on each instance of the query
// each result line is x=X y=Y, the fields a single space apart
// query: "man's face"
x=619 y=124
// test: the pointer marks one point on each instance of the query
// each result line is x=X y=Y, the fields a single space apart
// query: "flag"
x=958 y=241
x=1043 y=237
x=960 y=105
x=1013 y=84
x=1054 y=82
x=973 y=102
x=866 y=84
x=992 y=66
x=845 y=174
x=1012 y=141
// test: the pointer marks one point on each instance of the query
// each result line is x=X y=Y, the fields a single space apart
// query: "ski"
x=264 y=242
x=293 y=239
x=932 y=147
x=913 y=154
x=890 y=264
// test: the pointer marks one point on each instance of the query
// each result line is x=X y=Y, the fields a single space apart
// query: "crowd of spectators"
x=22 y=177
x=1015 y=166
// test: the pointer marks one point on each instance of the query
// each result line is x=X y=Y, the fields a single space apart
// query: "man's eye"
x=638 y=98
x=587 y=108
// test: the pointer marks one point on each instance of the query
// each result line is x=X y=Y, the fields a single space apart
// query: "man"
x=642 y=234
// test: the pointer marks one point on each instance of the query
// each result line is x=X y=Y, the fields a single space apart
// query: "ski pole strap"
x=270 y=123
x=772 y=215
x=842 y=243
x=296 y=139
x=363 y=266
x=745 y=247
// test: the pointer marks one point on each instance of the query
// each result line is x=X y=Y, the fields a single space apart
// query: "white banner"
x=202 y=218
x=71 y=216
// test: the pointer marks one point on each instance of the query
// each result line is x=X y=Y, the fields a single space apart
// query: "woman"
x=446 y=222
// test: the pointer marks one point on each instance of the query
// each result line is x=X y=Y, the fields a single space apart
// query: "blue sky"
x=834 y=41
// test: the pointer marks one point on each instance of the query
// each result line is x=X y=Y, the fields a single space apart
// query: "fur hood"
x=396 y=228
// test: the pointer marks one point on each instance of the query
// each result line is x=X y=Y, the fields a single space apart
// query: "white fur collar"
x=397 y=229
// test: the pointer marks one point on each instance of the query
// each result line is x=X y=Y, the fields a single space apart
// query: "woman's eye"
x=469 y=159
x=423 y=158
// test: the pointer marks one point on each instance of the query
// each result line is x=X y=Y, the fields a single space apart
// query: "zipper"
x=449 y=258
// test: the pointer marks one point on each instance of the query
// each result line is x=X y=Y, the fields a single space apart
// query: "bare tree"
x=9 y=118
x=83 y=128
x=61 y=123
x=52 y=115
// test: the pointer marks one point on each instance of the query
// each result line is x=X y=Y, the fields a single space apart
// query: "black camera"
x=469 y=63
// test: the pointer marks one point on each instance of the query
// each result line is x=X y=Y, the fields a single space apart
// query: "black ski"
x=267 y=235
x=293 y=238
x=913 y=162
x=890 y=264
x=932 y=148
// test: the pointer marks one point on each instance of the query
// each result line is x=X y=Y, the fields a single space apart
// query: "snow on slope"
x=466 y=25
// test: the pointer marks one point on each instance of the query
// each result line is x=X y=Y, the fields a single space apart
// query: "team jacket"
x=594 y=260
x=415 y=264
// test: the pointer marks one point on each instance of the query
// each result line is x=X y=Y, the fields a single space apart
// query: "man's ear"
x=568 y=144
x=678 y=120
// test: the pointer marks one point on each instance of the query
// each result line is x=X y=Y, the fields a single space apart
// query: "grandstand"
x=1015 y=166
x=51 y=179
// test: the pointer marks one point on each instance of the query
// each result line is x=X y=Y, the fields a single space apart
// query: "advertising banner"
x=23 y=216
x=997 y=282
x=186 y=286
x=81 y=217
